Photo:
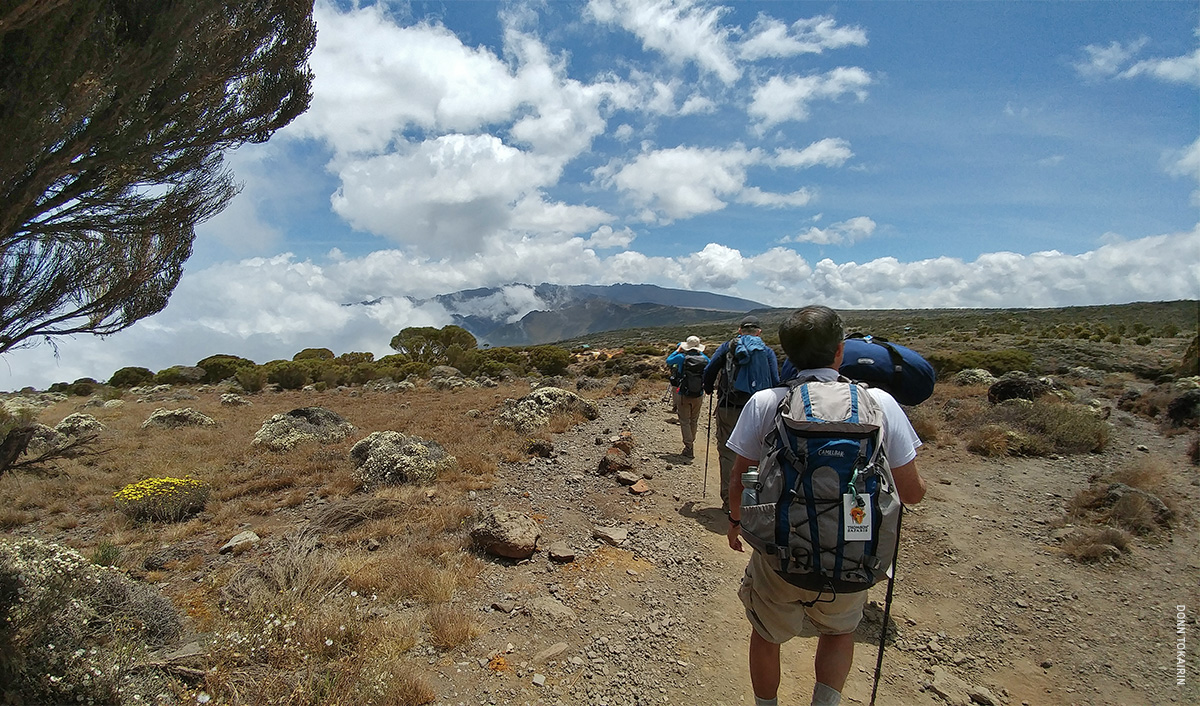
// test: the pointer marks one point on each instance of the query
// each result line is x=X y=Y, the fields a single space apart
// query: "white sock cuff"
x=825 y=695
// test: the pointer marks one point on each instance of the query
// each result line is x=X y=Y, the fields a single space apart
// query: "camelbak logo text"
x=831 y=452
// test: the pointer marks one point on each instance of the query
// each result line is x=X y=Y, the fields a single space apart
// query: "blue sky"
x=857 y=154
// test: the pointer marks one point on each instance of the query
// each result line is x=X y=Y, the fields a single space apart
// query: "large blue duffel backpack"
x=900 y=371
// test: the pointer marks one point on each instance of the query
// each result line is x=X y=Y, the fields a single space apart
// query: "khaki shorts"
x=773 y=606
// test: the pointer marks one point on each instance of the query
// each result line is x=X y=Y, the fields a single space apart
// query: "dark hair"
x=810 y=337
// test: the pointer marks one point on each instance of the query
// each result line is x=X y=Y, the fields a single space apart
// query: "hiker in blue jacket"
x=689 y=362
x=749 y=368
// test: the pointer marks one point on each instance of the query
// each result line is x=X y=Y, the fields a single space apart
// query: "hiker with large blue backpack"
x=832 y=462
x=739 y=367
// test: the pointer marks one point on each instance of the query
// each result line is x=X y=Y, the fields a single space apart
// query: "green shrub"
x=996 y=362
x=549 y=360
x=166 y=499
x=106 y=553
x=83 y=387
x=251 y=379
x=289 y=376
x=170 y=376
x=131 y=377
x=1142 y=340
x=314 y=354
x=352 y=359
x=59 y=387
x=222 y=367
x=414 y=368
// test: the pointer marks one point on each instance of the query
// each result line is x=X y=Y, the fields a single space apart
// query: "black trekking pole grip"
x=887 y=606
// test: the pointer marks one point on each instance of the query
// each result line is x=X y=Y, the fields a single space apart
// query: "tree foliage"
x=429 y=345
x=115 y=114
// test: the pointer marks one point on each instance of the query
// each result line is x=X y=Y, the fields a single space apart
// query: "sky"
x=861 y=155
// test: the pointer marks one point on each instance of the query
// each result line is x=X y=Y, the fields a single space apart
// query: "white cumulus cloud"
x=769 y=37
x=783 y=99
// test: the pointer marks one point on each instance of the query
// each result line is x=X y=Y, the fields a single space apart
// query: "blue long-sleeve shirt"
x=716 y=367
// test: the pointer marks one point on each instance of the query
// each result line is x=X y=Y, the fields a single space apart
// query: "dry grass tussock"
x=1139 y=513
x=324 y=611
x=1018 y=427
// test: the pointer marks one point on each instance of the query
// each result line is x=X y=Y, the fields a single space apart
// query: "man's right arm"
x=909 y=483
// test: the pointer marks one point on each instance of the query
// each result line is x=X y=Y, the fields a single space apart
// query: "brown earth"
x=984 y=592
x=985 y=596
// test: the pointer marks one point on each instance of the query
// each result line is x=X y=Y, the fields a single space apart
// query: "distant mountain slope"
x=522 y=314
x=591 y=316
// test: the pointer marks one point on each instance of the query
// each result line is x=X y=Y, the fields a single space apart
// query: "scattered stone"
x=615 y=461
x=551 y=652
x=613 y=535
x=283 y=432
x=973 y=376
x=241 y=540
x=1046 y=664
x=535 y=409
x=548 y=610
x=1018 y=385
x=955 y=691
x=504 y=606
x=628 y=477
x=640 y=488
x=176 y=418
x=230 y=399
x=539 y=680
x=506 y=533
x=982 y=695
x=390 y=458
x=560 y=552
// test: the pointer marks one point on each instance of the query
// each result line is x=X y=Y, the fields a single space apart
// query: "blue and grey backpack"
x=827 y=510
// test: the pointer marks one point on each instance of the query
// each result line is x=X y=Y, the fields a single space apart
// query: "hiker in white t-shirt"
x=812 y=338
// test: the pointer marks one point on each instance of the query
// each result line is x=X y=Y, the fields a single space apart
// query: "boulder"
x=535 y=409
x=625 y=384
x=283 y=432
x=1117 y=492
x=44 y=439
x=229 y=399
x=1184 y=409
x=1018 y=385
x=973 y=376
x=444 y=371
x=392 y=458
x=79 y=424
x=506 y=533
x=589 y=383
x=176 y=418
x=615 y=461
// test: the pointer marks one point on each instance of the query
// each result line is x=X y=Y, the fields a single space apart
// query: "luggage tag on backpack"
x=856 y=518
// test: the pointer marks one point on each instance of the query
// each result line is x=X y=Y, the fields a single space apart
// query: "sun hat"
x=751 y=321
x=693 y=344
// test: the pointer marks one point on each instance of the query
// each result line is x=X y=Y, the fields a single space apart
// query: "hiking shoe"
x=687 y=451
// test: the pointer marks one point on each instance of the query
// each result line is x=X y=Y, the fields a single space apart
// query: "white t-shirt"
x=758 y=419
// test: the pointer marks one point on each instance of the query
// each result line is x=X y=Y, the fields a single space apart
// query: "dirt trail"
x=983 y=596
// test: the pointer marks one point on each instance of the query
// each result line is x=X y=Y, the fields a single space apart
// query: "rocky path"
x=986 y=610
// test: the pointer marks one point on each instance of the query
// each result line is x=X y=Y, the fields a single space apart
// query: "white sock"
x=824 y=695
x=760 y=701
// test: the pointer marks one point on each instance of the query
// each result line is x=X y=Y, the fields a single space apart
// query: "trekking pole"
x=707 y=444
x=887 y=606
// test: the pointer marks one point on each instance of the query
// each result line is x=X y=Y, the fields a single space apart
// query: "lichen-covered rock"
x=506 y=533
x=44 y=440
x=176 y=418
x=535 y=409
x=625 y=384
x=452 y=383
x=444 y=371
x=388 y=385
x=1017 y=385
x=589 y=383
x=392 y=458
x=79 y=424
x=283 y=432
x=1184 y=409
x=230 y=399
x=973 y=376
